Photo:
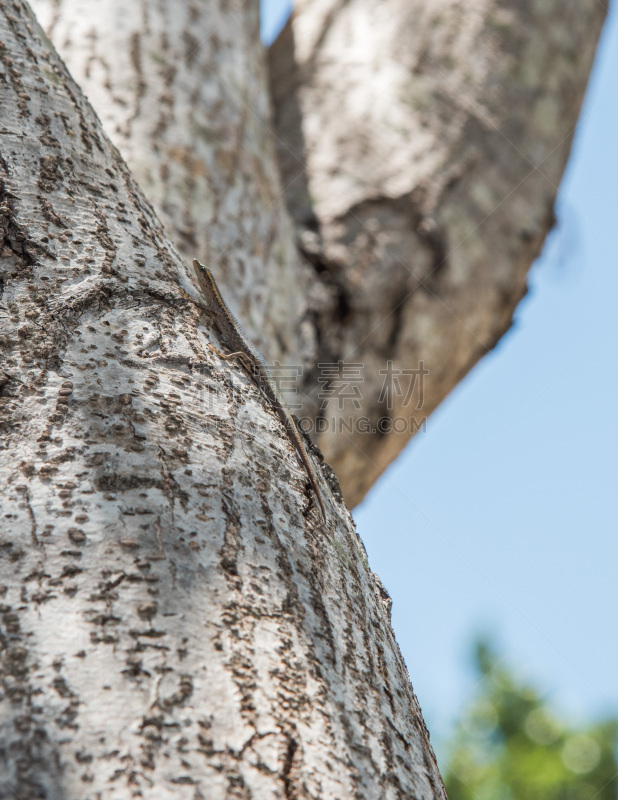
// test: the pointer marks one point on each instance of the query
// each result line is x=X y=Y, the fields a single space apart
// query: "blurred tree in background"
x=510 y=745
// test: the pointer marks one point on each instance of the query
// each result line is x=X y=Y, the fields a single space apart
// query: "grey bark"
x=420 y=147
x=181 y=88
x=176 y=622
x=422 y=144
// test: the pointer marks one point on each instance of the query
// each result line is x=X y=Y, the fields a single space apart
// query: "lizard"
x=255 y=365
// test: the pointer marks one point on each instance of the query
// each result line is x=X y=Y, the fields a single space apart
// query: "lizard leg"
x=245 y=361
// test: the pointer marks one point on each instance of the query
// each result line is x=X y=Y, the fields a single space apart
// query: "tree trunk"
x=177 y=622
x=176 y=619
x=182 y=90
x=420 y=145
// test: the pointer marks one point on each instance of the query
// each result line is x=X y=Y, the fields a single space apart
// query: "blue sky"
x=501 y=518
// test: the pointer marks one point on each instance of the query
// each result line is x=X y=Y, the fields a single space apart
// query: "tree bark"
x=182 y=90
x=421 y=146
x=176 y=622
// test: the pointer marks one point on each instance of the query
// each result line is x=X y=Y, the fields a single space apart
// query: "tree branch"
x=422 y=145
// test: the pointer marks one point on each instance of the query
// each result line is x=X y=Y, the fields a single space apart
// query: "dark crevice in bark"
x=286 y=772
x=11 y=233
x=396 y=328
x=291 y=161
x=434 y=237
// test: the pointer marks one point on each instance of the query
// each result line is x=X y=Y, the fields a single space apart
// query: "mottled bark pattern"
x=181 y=89
x=175 y=621
x=422 y=144
x=420 y=147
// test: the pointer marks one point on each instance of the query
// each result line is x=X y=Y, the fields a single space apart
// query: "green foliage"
x=510 y=745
